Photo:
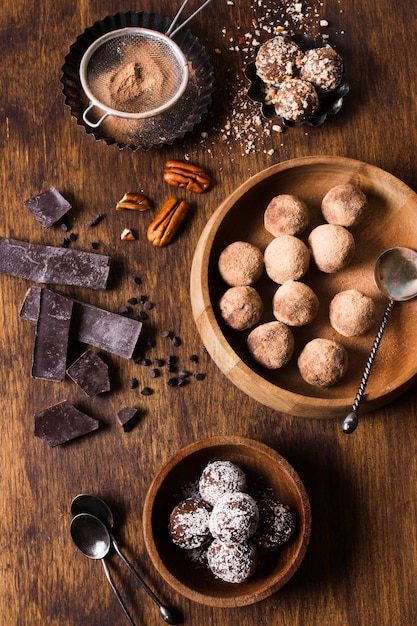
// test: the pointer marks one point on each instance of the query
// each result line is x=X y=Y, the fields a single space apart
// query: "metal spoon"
x=95 y=506
x=92 y=538
x=395 y=275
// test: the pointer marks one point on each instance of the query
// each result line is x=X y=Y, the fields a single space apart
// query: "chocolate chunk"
x=93 y=326
x=52 y=332
x=128 y=417
x=48 y=207
x=57 y=266
x=90 y=373
x=62 y=422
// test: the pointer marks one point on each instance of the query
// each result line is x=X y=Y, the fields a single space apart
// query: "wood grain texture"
x=360 y=565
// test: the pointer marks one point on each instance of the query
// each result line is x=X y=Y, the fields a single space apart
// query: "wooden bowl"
x=391 y=221
x=265 y=470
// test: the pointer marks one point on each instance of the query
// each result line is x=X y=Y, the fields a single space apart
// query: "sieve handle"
x=88 y=122
x=170 y=32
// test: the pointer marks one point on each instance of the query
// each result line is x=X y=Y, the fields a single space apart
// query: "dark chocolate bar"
x=128 y=417
x=90 y=373
x=93 y=326
x=52 y=333
x=48 y=207
x=62 y=422
x=57 y=266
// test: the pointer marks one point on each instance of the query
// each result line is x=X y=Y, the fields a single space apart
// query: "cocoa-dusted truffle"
x=241 y=307
x=295 y=303
x=241 y=263
x=286 y=215
x=286 y=258
x=296 y=100
x=332 y=247
x=345 y=205
x=234 y=518
x=189 y=524
x=352 y=313
x=278 y=59
x=219 y=478
x=276 y=524
x=323 y=67
x=271 y=344
x=323 y=362
x=233 y=563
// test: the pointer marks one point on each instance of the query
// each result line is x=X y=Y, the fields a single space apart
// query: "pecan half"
x=134 y=201
x=164 y=226
x=187 y=176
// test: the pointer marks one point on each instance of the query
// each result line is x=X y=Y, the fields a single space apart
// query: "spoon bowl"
x=90 y=536
x=87 y=503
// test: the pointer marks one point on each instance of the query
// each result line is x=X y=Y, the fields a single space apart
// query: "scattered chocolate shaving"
x=96 y=327
x=128 y=417
x=133 y=383
x=90 y=373
x=61 y=423
x=95 y=220
x=48 y=207
x=48 y=264
x=52 y=332
x=146 y=391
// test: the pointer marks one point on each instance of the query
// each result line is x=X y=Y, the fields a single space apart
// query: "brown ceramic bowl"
x=391 y=221
x=266 y=472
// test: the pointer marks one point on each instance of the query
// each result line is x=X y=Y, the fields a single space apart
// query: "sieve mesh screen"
x=135 y=72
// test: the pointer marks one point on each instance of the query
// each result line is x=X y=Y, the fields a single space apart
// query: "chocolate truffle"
x=189 y=524
x=286 y=215
x=323 y=67
x=241 y=263
x=276 y=524
x=332 y=247
x=234 y=518
x=286 y=258
x=295 y=303
x=351 y=313
x=344 y=205
x=271 y=344
x=219 y=478
x=296 y=100
x=233 y=563
x=241 y=307
x=323 y=362
x=278 y=59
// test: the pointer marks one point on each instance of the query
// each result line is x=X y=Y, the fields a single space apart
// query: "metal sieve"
x=135 y=72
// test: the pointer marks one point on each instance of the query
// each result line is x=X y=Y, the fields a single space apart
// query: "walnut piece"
x=134 y=201
x=127 y=235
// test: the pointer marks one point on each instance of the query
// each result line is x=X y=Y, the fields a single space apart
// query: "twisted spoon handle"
x=350 y=422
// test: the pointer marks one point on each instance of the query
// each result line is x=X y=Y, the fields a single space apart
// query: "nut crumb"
x=127 y=235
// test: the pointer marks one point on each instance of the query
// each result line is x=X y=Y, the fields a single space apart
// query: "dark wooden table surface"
x=360 y=567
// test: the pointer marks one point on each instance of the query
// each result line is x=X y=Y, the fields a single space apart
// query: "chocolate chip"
x=148 y=305
x=166 y=333
x=143 y=299
x=73 y=237
x=199 y=376
x=145 y=361
x=184 y=374
x=142 y=316
x=176 y=341
x=124 y=310
x=159 y=362
x=193 y=358
x=137 y=280
x=65 y=242
x=172 y=382
x=93 y=245
x=133 y=300
x=133 y=383
x=154 y=373
x=146 y=391
x=95 y=220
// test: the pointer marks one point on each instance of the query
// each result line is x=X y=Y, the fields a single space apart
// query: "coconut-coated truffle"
x=286 y=215
x=276 y=524
x=352 y=313
x=271 y=344
x=278 y=59
x=233 y=563
x=345 y=205
x=332 y=247
x=296 y=100
x=323 y=362
x=241 y=307
x=189 y=524
x=241 y=263
x=323 y=67
x=295 y=303
x=219 y=478
x=286 y=258
x=234 y=518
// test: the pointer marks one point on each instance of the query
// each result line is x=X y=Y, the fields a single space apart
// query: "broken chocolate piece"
x=48 y=207
x=49 y=264
x=93 y=326
x=128 y=417
x=61 y=423
x=90 y=373
x=52 y=332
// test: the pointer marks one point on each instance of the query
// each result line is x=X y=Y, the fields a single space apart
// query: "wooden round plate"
x=266 y=472
x=391 y=221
